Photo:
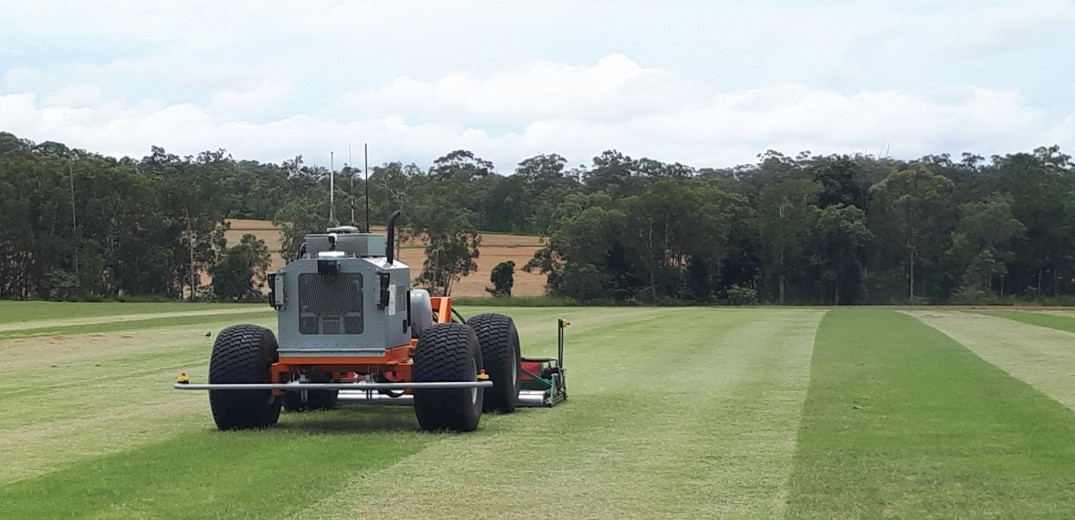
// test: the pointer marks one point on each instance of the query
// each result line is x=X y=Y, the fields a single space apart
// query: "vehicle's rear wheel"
x=243 y=354
x=447 y=352
x=499 y=341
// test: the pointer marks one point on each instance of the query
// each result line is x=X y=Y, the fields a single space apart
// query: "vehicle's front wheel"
x=447 y=352
x=243 y=354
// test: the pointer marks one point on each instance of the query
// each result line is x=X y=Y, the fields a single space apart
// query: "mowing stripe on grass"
x=34 y=356
x=67 y=399
x=140 y=322
x=1053 y=321
x=54 y=397
x=18 y=314
x=674 y=413
x=901 y=421
x=1043 y=357
x=39 y=448
x=207 y=474
x=537 y=325
x=44 y=429
x=685 y=413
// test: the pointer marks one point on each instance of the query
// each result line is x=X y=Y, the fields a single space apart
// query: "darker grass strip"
x=1062 y=323
x=132 y=325
x=211 y=474
x=900 y=421
x=21 y=311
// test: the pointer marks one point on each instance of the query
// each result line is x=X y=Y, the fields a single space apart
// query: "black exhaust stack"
x=390 y=250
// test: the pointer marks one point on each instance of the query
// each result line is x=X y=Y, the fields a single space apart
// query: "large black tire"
x=499 y=341
x=315 y=399
x=447 y=352
x=243 y=354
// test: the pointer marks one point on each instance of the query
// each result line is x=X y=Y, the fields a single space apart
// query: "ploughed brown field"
x=494 y=248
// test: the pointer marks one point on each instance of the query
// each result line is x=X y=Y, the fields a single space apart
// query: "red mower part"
x=533 y=367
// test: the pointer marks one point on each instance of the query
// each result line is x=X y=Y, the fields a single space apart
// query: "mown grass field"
x=673 y=413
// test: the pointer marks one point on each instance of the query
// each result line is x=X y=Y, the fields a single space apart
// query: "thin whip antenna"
x=351 y=164
x=332 y=189
x=366 y=171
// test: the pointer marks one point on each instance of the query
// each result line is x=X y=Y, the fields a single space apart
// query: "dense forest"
x=802 y=229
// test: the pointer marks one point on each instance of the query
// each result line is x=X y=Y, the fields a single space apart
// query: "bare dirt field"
x=495 y=248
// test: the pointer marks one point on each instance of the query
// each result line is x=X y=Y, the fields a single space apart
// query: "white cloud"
x=793 y=118
x=705 y=83
x=615 y=86
x=575 y=110
x=251 y=101
x=1013 y=27
x=75 y=96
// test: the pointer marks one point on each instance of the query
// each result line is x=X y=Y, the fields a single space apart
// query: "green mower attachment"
x=542 y=380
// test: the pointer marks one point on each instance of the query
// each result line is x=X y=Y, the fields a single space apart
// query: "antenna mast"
x=351 y=171
x=366 y=171
x=332 y=189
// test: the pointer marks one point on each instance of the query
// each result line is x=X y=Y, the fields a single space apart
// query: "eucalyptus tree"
x=239 y=271
x=1040 y=185
x=839 y=243
x=911 y=216
x=983 y=239
x=786 y=215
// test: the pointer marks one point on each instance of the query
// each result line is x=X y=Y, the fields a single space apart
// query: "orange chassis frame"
x=396 y=363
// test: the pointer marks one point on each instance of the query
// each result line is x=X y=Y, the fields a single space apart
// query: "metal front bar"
x=333 y=386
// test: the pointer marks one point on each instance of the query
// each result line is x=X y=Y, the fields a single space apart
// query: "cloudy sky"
x=705 y=83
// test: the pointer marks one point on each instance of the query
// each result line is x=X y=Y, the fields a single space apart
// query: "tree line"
x=802 y=229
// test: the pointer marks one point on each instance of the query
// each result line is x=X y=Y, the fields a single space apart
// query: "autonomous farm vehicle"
x=352 y=328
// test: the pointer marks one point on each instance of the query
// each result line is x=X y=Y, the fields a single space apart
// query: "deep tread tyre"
x=243 y=354
x=447 y=352
x=499 y=341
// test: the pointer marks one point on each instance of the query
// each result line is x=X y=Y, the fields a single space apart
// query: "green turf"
x=209 y=474
x=903 y=422
x=104 y=436
x=36 y=310
x=1042 y=357
x=674 y=413
x=130 y=325
x=1052 y=321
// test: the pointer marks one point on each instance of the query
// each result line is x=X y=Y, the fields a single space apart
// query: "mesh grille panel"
x=352 y=325
x=308 y=325
x=327 y=302
x=330 y=326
